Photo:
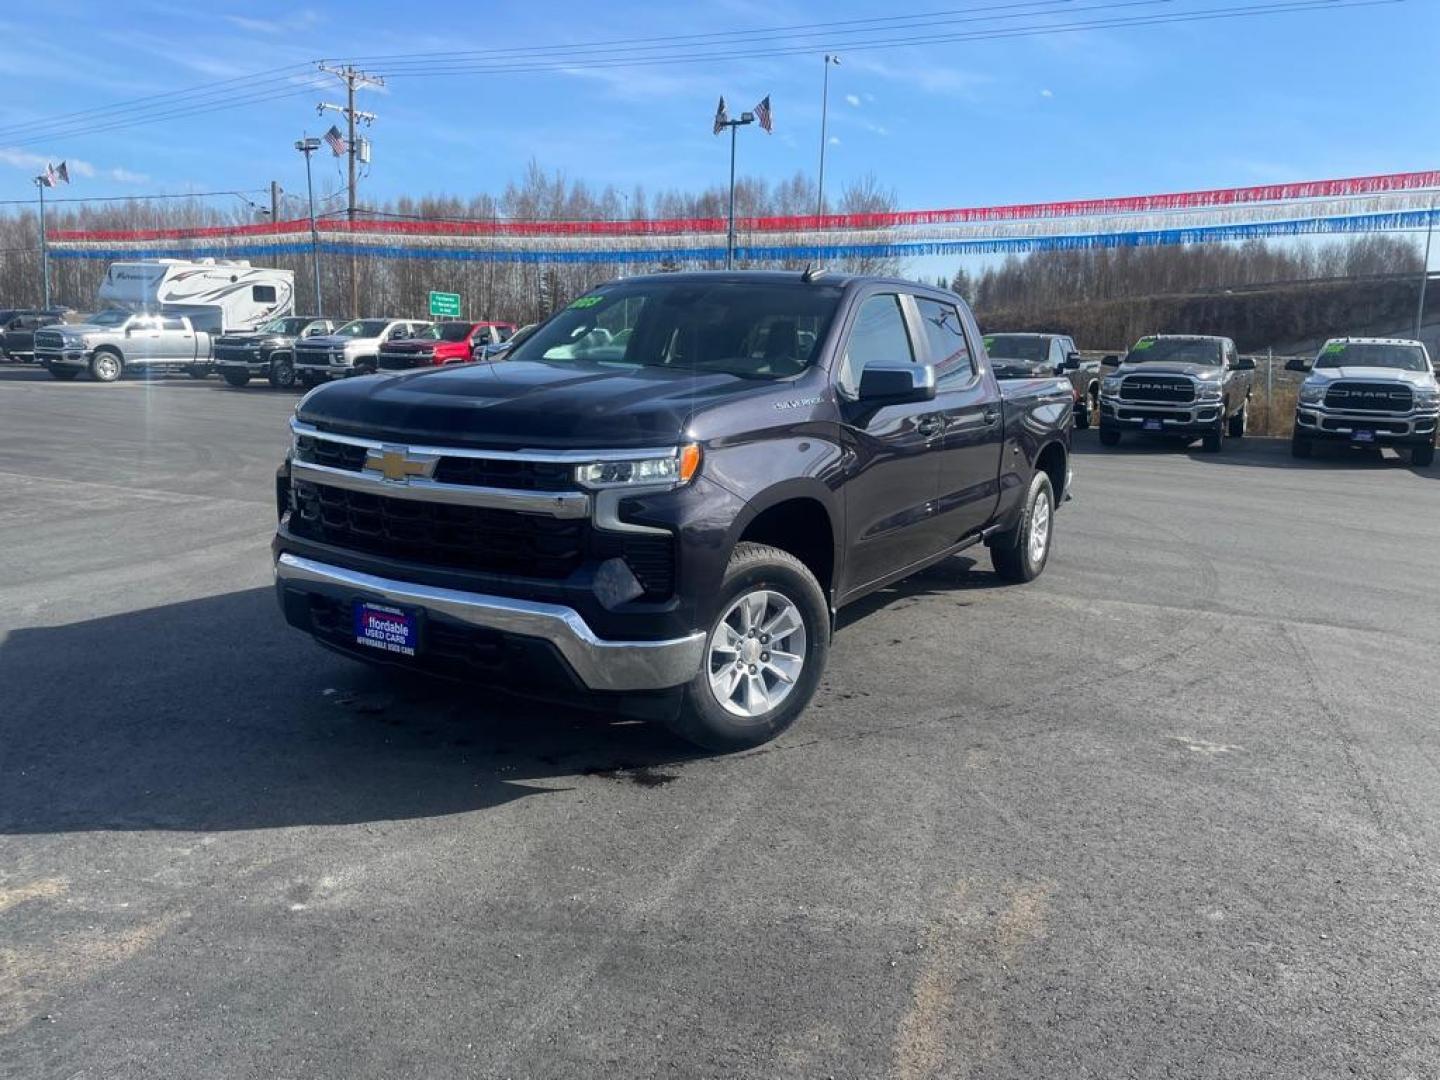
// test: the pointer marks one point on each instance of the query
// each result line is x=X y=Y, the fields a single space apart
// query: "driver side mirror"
x=1243 y=363
x=1110 y=361
x=897 y=385
x=1072 y=362
x=1297 y=363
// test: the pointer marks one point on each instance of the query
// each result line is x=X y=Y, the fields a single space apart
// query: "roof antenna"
x=811 y=272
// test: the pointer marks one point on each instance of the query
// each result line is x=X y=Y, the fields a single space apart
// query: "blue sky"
x=1122 y=111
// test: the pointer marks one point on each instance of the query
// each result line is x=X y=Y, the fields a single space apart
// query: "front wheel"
x=1020 y=554
x=1236 y=429
x=1422 y=454
x=1082 y=413
x=764 y=653
x=282 y=372
x=236 y=378
x=106 y=365
x=1215 y=439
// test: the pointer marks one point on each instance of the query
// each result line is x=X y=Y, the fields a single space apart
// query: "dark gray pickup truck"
x=1030 y=356
x=664 y=495
x=1184 y=386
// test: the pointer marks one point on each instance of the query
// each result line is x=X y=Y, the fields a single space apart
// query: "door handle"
x=991 y=415
x=930 y=425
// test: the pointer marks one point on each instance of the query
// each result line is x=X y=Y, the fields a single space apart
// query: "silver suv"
x=354 y=349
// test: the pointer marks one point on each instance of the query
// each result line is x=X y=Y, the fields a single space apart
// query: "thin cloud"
x=834 y=140
x=125 y=176
x=25 y=159
x=1047 y=93
x=853 y=99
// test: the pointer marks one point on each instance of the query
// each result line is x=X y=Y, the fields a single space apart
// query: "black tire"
x=1082 y=413
x=282 y=371
x=702 y=718
x=1109 y=436
x=1422 y=454
x=64 y=374
x=1236 y=427
x=1013 y=554
x=236 y=378
x=1214 y=440
x=1300 y=446
x=106 y=365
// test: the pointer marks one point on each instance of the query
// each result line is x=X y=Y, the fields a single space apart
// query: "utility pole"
x=274 y=201
x=830 y=58
x=733 y=125
x=308 y=146
x=353 y=78
x=41 y=183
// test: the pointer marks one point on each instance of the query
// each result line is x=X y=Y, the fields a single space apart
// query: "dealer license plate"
x=390 y=629
x=1363 y=436
x=1154 y=425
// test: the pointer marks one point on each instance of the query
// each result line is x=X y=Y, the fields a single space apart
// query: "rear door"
x=968 y=401
x=177 y=339
x=891 y=486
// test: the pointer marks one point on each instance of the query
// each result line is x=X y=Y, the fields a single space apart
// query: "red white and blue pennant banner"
x=1360 y=204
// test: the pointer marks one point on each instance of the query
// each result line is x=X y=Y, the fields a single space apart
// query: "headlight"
x=1312 y=393
x=1207 y=391
x=1110 y=385
x=1427 y=397
x=673 y=469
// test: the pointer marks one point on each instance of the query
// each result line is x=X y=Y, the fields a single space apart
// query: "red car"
x=442 y=343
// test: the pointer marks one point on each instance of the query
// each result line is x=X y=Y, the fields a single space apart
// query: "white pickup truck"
x=354 y=349
x=116 y=340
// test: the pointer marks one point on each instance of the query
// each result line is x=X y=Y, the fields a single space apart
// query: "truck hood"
x=83 y=328
x=528 y=404
x=1198 y=371
x=335 y=341
x=1371 y=374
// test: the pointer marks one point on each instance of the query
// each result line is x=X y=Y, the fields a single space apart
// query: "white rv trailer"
x=216 y=295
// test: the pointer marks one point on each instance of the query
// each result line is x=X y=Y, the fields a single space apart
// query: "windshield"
x=446 y=331
x=756 y=331
x=111 y=317
x=1175 y=351
x=363 y=328
x=289 y=326
x=1372 y=354
x=1030 y=350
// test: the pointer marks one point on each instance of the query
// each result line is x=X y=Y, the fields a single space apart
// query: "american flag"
x=721 y=117
x=336 y=141
x=762 y=113
x=62 y=174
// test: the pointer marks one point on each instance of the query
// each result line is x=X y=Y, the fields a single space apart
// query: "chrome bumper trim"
x=559 y=504
x=599 y=664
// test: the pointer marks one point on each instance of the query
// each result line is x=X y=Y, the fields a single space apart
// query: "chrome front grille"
x=1176 y=388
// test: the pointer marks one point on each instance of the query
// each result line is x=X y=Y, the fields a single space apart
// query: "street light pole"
x=745 y=118
x=1425 y=269
x=41 y=185
x=830 y=58
x=308 y=146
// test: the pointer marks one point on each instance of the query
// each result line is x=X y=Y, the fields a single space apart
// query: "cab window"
x=878 y=336
x=949 y=349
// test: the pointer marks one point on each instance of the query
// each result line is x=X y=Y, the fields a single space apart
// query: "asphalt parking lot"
x=1172 y=810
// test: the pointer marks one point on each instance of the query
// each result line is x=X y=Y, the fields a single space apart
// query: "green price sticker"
x=989 y=341
x=587 y=301
x=1334 y=347
x=1143 y=344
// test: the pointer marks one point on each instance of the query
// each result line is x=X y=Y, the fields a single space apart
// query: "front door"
x=891 y=481
x=968 y=399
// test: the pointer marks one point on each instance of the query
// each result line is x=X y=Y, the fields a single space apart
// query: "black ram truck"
x=666 y=493
x=267 y=352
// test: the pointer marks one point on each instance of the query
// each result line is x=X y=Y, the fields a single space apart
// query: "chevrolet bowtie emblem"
x=394 y=463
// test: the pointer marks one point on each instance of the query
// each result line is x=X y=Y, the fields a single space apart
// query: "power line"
x=134 y=198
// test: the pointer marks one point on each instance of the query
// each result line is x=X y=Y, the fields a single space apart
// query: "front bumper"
x=253 y=363
x=597 y=664
x=1318 y=422
x=63 y=358
x=1191 y=418
x=327 y=365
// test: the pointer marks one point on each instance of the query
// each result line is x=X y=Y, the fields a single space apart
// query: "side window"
x=949 y=351
x=877 y=337
x=262 y=294
x=171 y=324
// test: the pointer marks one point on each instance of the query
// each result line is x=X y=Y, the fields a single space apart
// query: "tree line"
x=521 y=292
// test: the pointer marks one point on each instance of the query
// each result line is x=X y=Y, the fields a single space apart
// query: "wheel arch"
x=1054 y=461
x=798 y=518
